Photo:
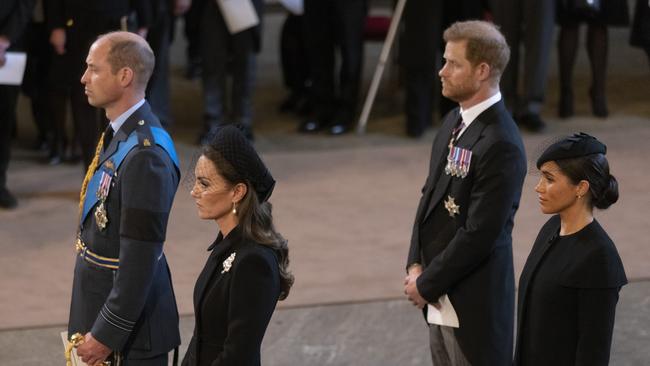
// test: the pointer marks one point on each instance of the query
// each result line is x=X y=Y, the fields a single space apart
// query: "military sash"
x=99 y=184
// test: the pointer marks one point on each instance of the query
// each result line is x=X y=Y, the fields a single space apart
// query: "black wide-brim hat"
x=235 y=148
x=574 y=146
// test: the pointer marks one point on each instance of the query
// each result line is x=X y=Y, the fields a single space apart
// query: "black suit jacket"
x=469 y=256
x=131 y=309
x=568 y=292
x=14 y=17
x=233 y=306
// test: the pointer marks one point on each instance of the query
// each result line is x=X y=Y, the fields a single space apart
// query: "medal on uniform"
x=458 y=162
x=101 y=216
x=451 y=206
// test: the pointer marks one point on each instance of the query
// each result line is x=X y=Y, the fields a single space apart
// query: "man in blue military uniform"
x=122 y=297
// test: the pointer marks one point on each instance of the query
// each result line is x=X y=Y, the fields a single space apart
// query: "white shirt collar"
x=119 y=121
x=470 y=114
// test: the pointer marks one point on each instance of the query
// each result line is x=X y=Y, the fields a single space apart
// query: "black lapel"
x=467 y=140
x=141 y=114
x=438 y=158
x=219 y=248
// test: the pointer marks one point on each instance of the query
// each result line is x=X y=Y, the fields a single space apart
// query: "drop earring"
x=234 y=208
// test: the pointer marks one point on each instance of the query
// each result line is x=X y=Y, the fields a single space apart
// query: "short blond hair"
x=132 y=51
x=485 y=43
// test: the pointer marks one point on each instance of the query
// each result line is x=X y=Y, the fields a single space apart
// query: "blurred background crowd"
x=321 y=57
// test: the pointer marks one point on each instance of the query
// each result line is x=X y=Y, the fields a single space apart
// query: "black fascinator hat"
x=574 y=146
x=235 y=148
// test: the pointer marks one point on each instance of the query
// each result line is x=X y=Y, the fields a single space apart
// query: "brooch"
x=451 y=206
x=228 y=263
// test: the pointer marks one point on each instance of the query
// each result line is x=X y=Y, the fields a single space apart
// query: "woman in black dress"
x=611 y=13
x=246 y=272
x=569 y=287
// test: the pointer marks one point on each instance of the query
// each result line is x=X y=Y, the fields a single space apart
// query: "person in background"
x=421 y=48
x=640 y=36
x=14 y=17
x=334 y=27
x=611 y=13
x=247 y=270
x=295 y=66
x=569 y=286
x=159 y=23
x=530 y=23
x=74 y=25
x=35 y=85
x=461 y=244
x=227 y=56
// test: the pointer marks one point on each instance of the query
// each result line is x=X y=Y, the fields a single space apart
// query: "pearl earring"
x=234 y=208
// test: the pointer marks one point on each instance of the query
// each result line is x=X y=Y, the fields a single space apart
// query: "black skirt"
x=640 y=35
x=612 y=13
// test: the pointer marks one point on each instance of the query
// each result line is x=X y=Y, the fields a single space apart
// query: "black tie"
x=108 y=136
x=456 y=131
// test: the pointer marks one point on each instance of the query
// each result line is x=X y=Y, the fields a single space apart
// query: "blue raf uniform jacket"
x=131 y=308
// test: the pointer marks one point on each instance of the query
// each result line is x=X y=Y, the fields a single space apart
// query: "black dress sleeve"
x=596 y=313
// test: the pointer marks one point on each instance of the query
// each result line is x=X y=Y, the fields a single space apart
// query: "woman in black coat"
x=246 y=272
x=612 y=13
x=569 y=287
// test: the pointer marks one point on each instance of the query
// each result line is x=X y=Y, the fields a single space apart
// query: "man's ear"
x=484 y=70
x=127 y=76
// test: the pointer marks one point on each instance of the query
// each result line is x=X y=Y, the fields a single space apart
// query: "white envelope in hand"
x=239 y=15
x=446 y=315
x=296 y=7
x=12 y=71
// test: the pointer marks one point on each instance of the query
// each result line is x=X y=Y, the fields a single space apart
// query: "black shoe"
x=310 y=126
x=338 y=128
x=7 y=200
x=531 y=122
x=598 y=104
x=41 y=144
x=54 y=160
x=565 y=106
x=290 y=103
x=193 y=70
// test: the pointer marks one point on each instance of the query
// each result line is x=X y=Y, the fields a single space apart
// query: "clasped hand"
x=92 y=351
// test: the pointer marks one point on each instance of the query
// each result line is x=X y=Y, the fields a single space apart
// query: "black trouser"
x=8 y=99
x=159 y=38
x=223 y=54
x=35 y=82
x=332 y=25
x=295 y=68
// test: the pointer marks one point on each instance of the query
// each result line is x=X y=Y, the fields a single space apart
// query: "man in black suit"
x=122 y=297
x=531 y=23
x=331 y=27
x=159 y=24
x=461 y=244
x=14 y=16
x=74 y=25
x=420 y=53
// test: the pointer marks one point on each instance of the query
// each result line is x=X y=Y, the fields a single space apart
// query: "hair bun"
x=608 y=196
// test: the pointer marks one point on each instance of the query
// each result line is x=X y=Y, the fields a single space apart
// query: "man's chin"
x=92 y=103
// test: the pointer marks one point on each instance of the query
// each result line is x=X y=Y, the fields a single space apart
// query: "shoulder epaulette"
x=145 y=136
